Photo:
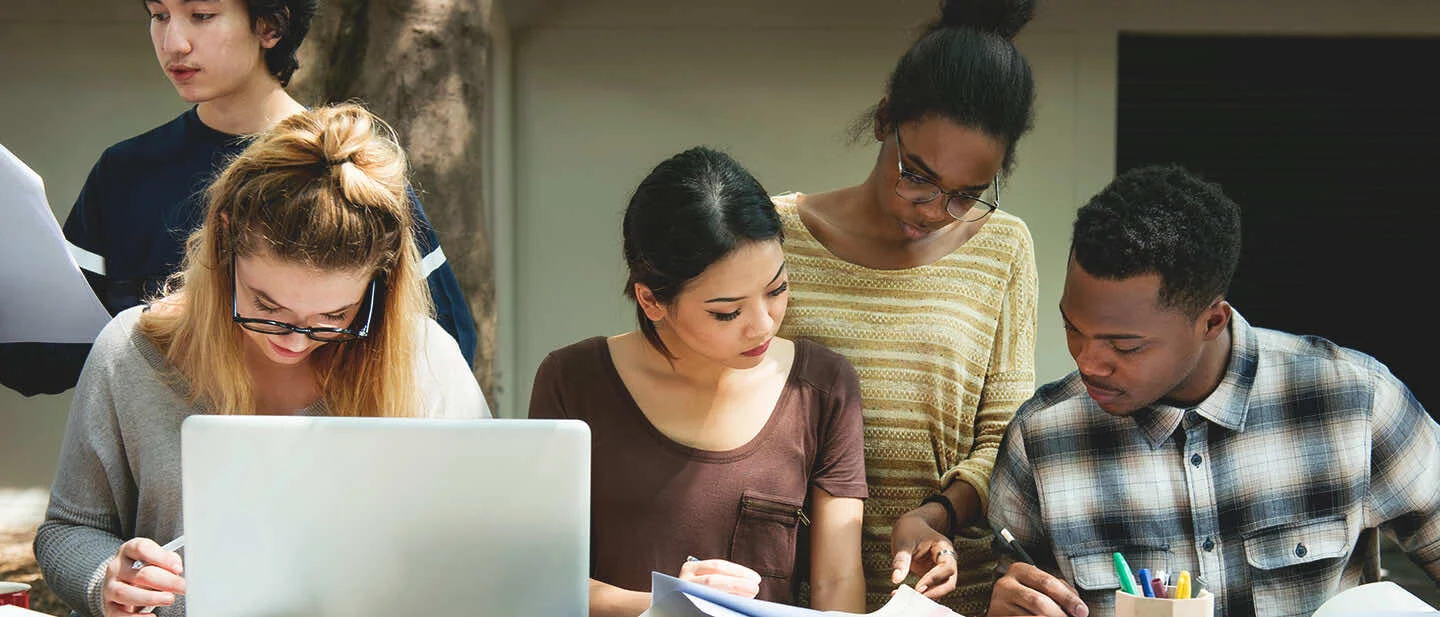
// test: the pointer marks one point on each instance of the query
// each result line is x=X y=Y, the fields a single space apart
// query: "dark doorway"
x=1331 y=146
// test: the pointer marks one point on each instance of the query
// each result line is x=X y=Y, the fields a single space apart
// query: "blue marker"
x=1144 y=574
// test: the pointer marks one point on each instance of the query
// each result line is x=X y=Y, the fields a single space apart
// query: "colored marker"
x=1157 y=586
x=1144 y=575
x=1127 y=580
x=1182 y=587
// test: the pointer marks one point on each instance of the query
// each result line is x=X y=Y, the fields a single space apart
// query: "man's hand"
x=1028 y=590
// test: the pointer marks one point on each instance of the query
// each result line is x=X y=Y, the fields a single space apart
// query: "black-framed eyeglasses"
x=960 y=205
x=320 y=333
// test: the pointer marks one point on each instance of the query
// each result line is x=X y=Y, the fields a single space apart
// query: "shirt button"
x=1300 y=550
x=1195 y=460
x=1209 y=545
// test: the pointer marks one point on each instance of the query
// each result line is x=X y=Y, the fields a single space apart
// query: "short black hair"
x=290 y=20
x=966 y=68
x=1162 y=219
x=691 y=211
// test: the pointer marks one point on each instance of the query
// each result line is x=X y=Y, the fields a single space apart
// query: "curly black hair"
x=1166 y=220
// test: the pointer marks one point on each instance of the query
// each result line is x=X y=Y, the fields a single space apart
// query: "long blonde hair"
x=325 y=188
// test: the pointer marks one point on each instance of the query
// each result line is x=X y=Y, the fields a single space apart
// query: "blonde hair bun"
x=358 y=148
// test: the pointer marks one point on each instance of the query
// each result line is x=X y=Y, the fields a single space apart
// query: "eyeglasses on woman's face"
x=964 y=206
x=323 y=334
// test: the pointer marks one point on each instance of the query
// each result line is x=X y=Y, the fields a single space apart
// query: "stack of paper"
x=1382 y=599
x=15 y=611
x=672 y=597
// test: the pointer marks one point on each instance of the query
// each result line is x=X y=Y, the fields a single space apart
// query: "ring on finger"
x=947 y=551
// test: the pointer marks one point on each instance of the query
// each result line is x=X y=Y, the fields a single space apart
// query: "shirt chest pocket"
x=766 y=533
x=1095 y=576
x=1295 y=566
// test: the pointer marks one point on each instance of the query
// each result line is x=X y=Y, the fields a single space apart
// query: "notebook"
x=371 y=517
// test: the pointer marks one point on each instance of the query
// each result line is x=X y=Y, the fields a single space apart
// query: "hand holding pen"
x=1025 y=589
x=128 y=590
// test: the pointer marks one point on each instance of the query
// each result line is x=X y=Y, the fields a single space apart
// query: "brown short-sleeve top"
x=654 y=501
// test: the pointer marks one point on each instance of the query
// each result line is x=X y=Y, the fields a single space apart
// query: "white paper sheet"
x=1384 y=598
x=15 y=611
x=672 y=597
x=43 y=296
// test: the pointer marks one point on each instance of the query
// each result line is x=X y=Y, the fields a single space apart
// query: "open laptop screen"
x=353 y=517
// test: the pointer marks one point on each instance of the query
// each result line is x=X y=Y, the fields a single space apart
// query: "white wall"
x=75 y=77
x=591 y=94
x=605 y=89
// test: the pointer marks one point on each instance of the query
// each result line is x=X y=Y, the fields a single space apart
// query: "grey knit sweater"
x=119 y=471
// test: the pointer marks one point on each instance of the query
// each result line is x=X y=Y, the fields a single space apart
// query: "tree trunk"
x=422 y=66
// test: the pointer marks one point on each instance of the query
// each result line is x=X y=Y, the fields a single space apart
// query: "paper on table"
x=1384 y=598
x=43 y=296
x=15 y=611
x=672 y=597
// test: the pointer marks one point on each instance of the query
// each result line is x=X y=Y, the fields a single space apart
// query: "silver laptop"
x=360 y=517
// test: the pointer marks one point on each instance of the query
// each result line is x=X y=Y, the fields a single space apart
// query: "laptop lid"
x=358 y=517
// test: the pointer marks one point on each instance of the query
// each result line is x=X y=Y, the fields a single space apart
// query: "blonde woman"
x=300 y=294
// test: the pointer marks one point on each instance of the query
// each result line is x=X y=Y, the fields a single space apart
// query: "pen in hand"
x=139 y=564
x=1016 y=547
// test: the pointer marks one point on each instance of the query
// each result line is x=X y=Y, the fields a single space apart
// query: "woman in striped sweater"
x=929 y=290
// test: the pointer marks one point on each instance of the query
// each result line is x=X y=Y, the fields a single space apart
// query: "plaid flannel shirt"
x=1263 y=489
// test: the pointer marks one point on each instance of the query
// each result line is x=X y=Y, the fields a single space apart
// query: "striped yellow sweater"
x=945 y=353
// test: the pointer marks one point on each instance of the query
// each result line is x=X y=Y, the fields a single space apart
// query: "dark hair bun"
x=1003 y=18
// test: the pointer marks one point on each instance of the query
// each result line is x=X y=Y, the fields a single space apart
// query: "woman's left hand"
x=918 y=547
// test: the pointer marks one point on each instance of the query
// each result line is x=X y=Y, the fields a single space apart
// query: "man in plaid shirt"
x=1189 y=439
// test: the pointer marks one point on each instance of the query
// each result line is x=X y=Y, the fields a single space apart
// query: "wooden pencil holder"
x=1127 y=605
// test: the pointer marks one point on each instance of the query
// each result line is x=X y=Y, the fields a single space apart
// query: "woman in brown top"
x=712 y=438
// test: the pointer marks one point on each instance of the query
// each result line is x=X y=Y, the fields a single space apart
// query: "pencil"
x=1014 y=545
